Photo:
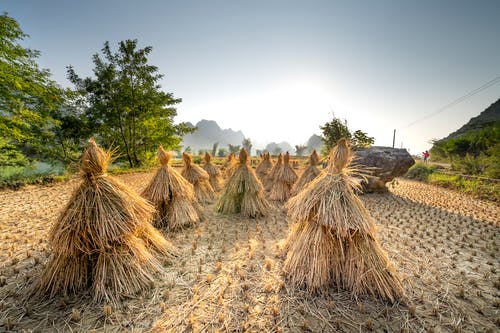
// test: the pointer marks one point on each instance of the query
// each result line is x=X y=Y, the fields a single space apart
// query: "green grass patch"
x=475 y=187
x=15 y=177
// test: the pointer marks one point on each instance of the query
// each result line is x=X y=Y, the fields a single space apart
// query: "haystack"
x=264 y=166
x=229 y=166
x=281 y=189
x=269 y=179
x=173 y=196
x=214 y=174
x=309 y=173
x=244 y=192
x=199 y=178
x=333 y=241
x=103 y=239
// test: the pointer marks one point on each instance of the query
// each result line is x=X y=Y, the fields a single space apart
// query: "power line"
x=457 y=101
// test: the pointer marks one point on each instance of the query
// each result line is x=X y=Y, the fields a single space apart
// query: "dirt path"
x=228 y=277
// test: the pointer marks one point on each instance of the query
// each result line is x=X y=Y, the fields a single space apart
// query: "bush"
x=420 y=171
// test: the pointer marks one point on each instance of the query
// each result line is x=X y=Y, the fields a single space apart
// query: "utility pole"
x=394 y=138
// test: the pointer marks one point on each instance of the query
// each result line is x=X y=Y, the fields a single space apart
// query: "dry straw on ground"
x=333 y=241
x=309 y=173
x=103 y=239
x=199 y=178
x=172 y=195
x=283 y=180
x=264 y=166
x=213 y=173
x=244 y=192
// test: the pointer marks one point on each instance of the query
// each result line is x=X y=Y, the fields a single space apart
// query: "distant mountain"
x=314 y=143
x=209 y=132
x=488 y=118
x=282 y=147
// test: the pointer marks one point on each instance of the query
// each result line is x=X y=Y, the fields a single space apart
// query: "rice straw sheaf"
x=283 y=181
x=244 y=192
x=229 y=166
x=103 y=240
x=199 y=178
x=172 y=195
x=333 y=239
x=309 y=173
x=214 y=174
x=264 y=167
x=269 y=179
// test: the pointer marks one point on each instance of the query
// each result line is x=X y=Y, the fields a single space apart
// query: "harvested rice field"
x=229 y=278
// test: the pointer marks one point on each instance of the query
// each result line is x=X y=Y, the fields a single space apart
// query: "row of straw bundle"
x=244 y=192
x=199 y=178
x=173 y=196
x=283 y=180
x=333 y=241
x=214 y=174
x=264 y=166
x=308 y=174
x=229 y=165
x=103 y=239
x=269 y=179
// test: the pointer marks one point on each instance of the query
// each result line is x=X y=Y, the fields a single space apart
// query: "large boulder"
x=383 y=164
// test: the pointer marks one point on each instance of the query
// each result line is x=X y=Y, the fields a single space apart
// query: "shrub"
x=420 y=171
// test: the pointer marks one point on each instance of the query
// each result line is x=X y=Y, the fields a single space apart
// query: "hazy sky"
x=278 y=69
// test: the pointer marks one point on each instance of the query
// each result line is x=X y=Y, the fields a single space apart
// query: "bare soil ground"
x=444 y=243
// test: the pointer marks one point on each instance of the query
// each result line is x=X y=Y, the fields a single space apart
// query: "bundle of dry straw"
x=229 y=165
x=285 y=177
x=244 y=192
x=309 y=173
x=213 y=173
x=269 y=179
x=334 y=239
x=173 y=196
x=103 y=239
x=199 y=178
x=264 y=166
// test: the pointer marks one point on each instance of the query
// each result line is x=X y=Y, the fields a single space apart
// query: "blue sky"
x=278 y=69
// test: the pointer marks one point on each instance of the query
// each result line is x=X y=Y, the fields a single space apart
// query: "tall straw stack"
x=309 y=173
x=214 y=174
x=244 y=192
x=172 y=195
x=103 y=238
x=264 y=167
x=333 y=241
x=269 y=179
x=283 y=181
x=199 y=178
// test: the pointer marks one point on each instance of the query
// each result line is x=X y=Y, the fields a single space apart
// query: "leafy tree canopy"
x=124 y=103
x=336 y=129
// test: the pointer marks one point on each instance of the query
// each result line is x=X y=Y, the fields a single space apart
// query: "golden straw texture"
x=333 y=240
x=172 y=195
x=244 y=192
x=103 y=238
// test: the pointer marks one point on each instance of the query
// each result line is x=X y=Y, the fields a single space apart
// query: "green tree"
x=222 y=152
x=247 y=144
x=125 y=103
x=300 y=150
x=360 y=139
x=233 y=149
x=214 y=148
x=28 y=96
x=336 y=129
x=333 y=131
